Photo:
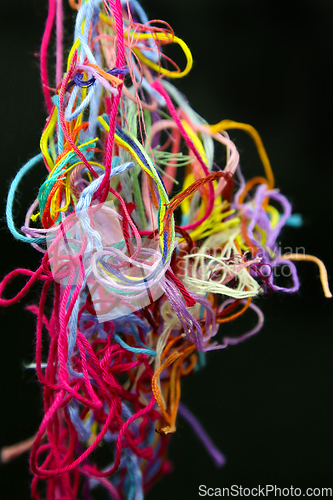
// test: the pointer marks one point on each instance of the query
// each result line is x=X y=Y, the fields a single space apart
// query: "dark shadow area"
x=266 y=403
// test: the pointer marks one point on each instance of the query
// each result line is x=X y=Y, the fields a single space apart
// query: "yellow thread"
x=240 y=243
x=71 y=151
x=44 y=139
x=151 y=172
x=53 y=151
x=262 y=234
x=275 y=216
x=70 y=55
x=185 y=204
x=198 y=145
x=213 y=224
x=230 y=124
x=263 y=240
x=320 y=264
x=160 y=69
x=80 y=162
x=68 y=199
x=34 y=217
x=80 y=117
x=196 y=141
x=162 y=37
x=216 y=229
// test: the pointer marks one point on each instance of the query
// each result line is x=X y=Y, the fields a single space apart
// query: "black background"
x=266 y=403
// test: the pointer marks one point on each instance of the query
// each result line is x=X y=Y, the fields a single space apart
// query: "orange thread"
x=237 y=314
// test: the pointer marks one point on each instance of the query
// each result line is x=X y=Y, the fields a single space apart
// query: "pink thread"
x=26 y=272
x=43 y=54
x=158 y=86
x=120 y=60
x=59 y=37
x=61 y=116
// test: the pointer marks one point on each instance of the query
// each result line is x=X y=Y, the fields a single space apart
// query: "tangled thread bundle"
x=148 y=246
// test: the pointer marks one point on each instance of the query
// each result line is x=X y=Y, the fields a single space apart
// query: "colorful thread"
x=135 y=282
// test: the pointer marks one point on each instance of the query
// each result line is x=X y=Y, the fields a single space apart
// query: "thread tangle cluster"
x=147 y=246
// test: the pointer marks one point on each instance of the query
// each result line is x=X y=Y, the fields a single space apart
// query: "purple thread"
x=216 y=455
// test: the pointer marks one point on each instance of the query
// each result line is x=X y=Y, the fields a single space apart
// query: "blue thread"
x=78 y=79
x=149 y=54
x=134 y=475
x=10 y=201
x=82 y=428
x=60 y=138
x=295 y=220
x=85 y=14
x=86 y=101
x=136 y=350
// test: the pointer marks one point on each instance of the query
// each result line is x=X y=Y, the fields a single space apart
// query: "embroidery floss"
x=140 y=277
